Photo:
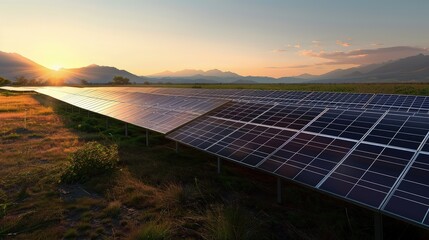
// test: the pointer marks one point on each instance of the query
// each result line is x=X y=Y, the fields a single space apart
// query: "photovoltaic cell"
x=204 y=132
x=307 y=158
x=410 y=200
x=250 y=144
x=400 y=131
x=245 y=112
x=292 y=117
x=367 y=174
x=352 y=124
x=403 y=103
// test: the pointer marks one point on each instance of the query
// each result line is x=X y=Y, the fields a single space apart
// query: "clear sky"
x=266 y=37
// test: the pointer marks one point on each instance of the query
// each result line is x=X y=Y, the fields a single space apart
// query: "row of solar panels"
x=369 y=149
x=392 y=102
x=159 y=113
x=377 y=159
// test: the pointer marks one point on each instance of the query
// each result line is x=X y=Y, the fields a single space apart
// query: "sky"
x=249 y=37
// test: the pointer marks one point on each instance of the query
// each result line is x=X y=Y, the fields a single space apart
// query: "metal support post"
x=219 y=165
x=177 y=147
x=378 y=226
x=279 y=191
x=126 y=130
x=147 y=138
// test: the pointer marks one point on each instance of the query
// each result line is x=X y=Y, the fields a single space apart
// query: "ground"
x=155 y=193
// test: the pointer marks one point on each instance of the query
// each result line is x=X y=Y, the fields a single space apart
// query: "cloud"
x=377 y=44
x=342 y=43
x=276 y=67
x=364 y=56
x=316 y=43
x=279 y=50
x=297 y=46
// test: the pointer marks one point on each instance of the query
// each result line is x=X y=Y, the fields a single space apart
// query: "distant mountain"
x=307 y=76
x=194 y=73
x=13 y=65
x=350 y=72
x=409 y=69
x=415 y=64
x=97 y=74
x=414 y=68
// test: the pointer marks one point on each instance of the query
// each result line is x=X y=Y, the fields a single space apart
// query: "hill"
x=194 y=73
x=96 y=74
x=409 y=69
x=13 y=65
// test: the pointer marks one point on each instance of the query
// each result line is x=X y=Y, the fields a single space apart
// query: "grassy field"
x=156 y=193
x=388 y=88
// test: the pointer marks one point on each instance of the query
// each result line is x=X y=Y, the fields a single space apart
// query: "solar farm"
x=371 y=150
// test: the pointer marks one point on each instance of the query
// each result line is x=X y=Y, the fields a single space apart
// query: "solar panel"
x=292 y=117
x=250 y=144
x=307 y=158
x=204 y=132
x=400 y=131
x=410 y=200
x=351 y=124
x=367 y=174
x=156 y=112
x=404 y=103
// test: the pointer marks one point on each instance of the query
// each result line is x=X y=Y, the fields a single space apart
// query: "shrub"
x=93 y=159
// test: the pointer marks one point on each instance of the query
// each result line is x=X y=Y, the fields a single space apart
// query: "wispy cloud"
x=286 y=48
x=279 y=50
x=377 y=44
x=275 y=67
x=316 y=43
x=343 y=43
x=364 y=56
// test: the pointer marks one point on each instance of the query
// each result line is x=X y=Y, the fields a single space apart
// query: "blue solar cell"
x=307 y=158
x=352 y=124
x=367 y=174
x=410 y=200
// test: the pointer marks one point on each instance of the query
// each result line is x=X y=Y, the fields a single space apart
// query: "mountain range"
x=410 y=69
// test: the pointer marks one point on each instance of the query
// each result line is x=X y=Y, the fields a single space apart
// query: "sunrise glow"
x=56 y=67
x=276 y=39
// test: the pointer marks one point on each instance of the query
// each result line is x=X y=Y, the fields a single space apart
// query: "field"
x=157 y=193
x=387 y=88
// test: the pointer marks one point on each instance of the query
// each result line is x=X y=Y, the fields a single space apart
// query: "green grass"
x=388 y=88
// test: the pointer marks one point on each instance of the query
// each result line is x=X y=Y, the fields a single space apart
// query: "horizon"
x=273 y=39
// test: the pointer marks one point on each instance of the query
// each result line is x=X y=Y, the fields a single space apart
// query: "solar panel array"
x=159 y=113
x=356 y=151
x=369 y=149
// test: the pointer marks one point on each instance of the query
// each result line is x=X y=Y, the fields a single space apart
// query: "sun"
x=56 y=67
